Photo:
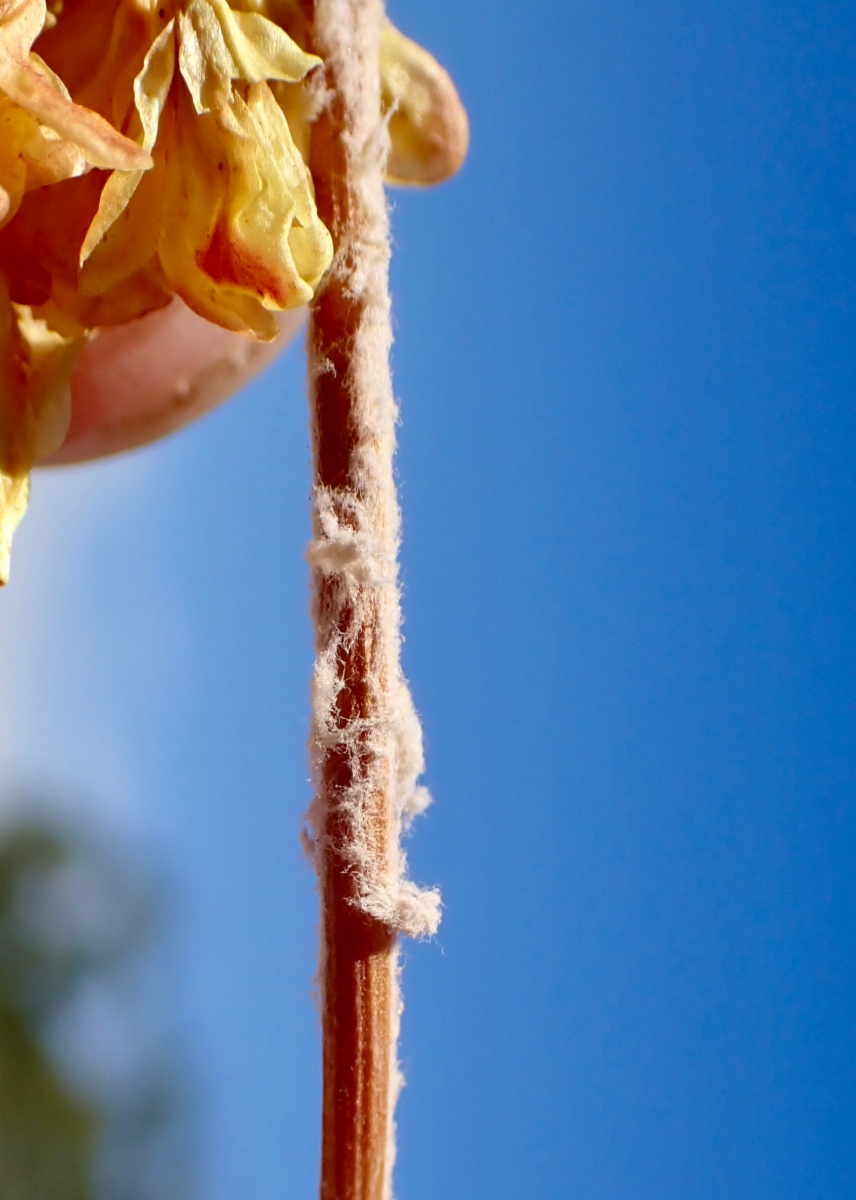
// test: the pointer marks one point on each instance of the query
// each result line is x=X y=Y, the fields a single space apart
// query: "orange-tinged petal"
x=23 y=81
x=78 y=44
x=199 y=183
x=15 y=129
x=225 y=218
x=308 y=250
x=110 y=89
x=239 y=193
x=43 y=241
x=99 y=142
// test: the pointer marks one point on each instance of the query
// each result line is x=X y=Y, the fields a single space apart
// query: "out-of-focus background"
x=625 y=356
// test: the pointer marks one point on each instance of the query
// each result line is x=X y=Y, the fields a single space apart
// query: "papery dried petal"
x=21 y=21
x=151 y=89
x=135 y=295
x=226 y=217
x=241 y=236
x=43 y=241
x=204 y=60
x=51 y=343
x=428 y=125
x=49 y=158
x=109 y=90
x=260 y=49
x=15 y=130
x=131 y=241
x=37 y=356
x=197 y=188
x=218 y=45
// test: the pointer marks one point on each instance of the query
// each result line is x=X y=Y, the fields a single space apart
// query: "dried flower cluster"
x=152 y=148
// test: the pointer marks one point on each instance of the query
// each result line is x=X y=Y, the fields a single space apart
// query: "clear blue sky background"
x=626 y=362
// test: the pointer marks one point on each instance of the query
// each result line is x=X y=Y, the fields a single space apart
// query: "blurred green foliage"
x=48 y=1137
x=90 y=1099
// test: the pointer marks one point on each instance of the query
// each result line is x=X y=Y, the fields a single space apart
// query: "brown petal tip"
x=428 y=127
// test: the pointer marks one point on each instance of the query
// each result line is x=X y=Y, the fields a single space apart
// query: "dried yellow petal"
x=15 y=131
x=241 y=235
x=27 y=83
x=428 y=125
x=37 y=355
x=228 y=208
x=204 y=60
x=151 y=88
x=197 y=117
x=260 y=49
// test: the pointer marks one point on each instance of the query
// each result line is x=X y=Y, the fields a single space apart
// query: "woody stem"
x=355 y=606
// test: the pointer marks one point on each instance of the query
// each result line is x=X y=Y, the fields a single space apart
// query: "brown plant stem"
x=357 y=680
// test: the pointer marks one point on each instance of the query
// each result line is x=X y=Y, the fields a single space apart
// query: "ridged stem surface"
x=355 y=607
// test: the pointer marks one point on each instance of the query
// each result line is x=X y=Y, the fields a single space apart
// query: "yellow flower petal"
x=428 y=125
x=15 y=130
x=260 y=49
x=206 y=65
x=239 y=194
x=37 y=355
x=131 y=242
x=21 y=21
x=51 y=344
x=151 y=88
x=219 y=45
x=49 y=158
x=286 y=181
x=14 y=497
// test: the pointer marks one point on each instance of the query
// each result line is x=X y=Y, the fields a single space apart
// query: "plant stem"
x=358 y=687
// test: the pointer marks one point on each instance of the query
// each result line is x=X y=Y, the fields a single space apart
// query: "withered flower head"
x=44 y=138
x=155 y=148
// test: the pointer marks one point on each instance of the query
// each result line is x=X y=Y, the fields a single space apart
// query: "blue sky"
x=625 y=355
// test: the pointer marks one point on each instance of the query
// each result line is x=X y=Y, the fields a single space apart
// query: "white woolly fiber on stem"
x=366 y=740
